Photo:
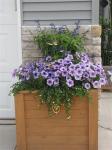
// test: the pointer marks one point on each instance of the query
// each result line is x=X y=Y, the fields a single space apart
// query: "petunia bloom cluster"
x=70 y=71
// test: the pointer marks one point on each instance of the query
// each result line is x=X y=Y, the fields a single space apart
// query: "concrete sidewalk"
x=7 y=137
x=105 y=121
x=8 y=132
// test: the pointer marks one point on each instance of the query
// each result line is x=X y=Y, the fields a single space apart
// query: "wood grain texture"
x=59 y=147
x=93 y=122
x=20 y=122
x=41 y=132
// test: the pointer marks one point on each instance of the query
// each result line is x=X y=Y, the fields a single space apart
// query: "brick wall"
x=92 y=43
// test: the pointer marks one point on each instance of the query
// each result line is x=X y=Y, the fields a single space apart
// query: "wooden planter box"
x=37 y=131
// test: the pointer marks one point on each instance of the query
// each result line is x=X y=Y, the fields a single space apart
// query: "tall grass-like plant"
x=59 y=40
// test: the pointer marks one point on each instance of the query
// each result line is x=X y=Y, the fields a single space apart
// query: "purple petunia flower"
x=67 y=61
x=77 y=77
x=82 y=67
x=14 y=72
x=57 y=73
x=84 y=57
x=96 y=84
x=35 y=74
x=56 y=66
x=50 y=82
x=48 y=58
x=88 y=66
x=86 y=75
x=98 y=70
x=50 y=74
x=66 y=69
x=77 y=66
x=44 y=74
x=60 y=60
x=64 y=73
x=70 y=83
x=79 y=72
x=87 y=86
x=72 y=67
x=92 y=74
x=63 y=69
x=56 y=81
x=69 y=56
x=71 y=72
x=102 y=81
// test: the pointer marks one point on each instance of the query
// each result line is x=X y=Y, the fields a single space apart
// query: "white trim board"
x=19 y=29
x=10 y=32
x=7 y=122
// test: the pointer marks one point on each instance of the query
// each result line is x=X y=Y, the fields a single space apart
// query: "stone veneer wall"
x=92 y=44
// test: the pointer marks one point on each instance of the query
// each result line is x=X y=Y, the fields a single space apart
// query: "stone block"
x=96 y=41
x=27 y=45
x=27 y=30
x=27 y=38
x=85 y=31
x=96 y=30
x=32 y=53
x=92 y=41
x=97 y=60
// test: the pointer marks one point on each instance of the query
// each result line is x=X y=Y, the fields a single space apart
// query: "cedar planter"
x=37 y=131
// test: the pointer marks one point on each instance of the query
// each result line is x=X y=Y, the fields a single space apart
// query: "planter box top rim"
x=34 y=92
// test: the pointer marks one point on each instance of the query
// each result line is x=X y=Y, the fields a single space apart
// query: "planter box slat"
x=35 y=104
x=20 y=122
x=93 y=121
x=58 y=147
x=52 y=122
x=55 y=140
x=37 y=131
x=64 y=131
x=36 y=114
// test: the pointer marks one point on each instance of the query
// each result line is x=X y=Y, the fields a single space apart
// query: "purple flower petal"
x=96 y=84
x=44 y=74
x=87 y=86
x=70 y=83
x=50 y=82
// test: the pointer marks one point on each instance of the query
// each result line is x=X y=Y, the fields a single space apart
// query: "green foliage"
x=52 y=97
x=106 y=43
x=56 y=44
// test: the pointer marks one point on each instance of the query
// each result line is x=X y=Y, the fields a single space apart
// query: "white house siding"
x=59 y=11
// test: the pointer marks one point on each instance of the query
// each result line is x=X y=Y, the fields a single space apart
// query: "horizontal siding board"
x=56 y=11
x=57 y=15
x=57 y=22
x=57 y=6
x=42 y=1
